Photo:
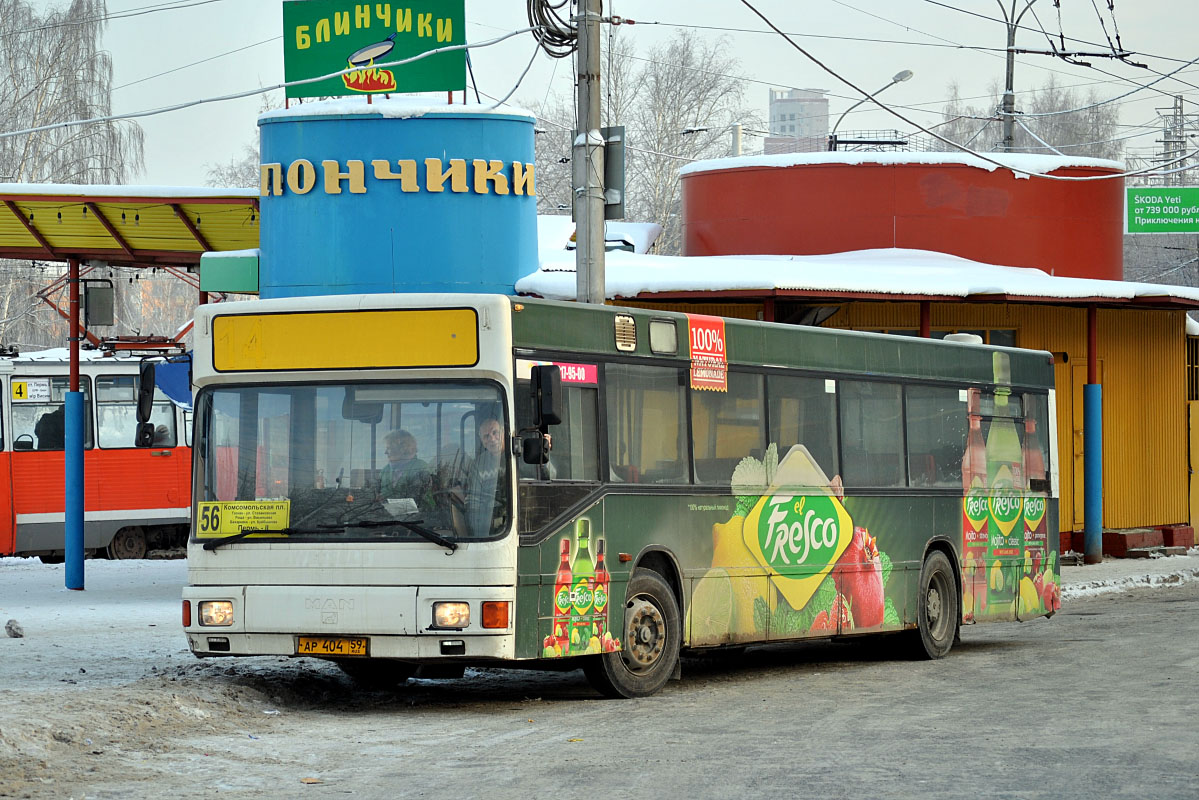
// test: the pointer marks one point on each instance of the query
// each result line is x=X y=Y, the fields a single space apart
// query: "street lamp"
x=900 y=77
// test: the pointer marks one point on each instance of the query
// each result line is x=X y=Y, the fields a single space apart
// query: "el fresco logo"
x=1034 y=510
x=798 y=540
x=975 y=506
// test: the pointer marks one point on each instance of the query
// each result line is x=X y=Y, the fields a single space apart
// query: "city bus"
x=136 y=499
x=408 y=485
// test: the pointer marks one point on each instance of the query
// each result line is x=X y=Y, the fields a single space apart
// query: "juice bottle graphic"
x=602 y=580
x=582 y=595
x=974 y=513
x=1005 y=479
x=1035 y=533
x=562 y=604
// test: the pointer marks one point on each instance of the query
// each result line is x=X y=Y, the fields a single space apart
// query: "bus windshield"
x=355 y=461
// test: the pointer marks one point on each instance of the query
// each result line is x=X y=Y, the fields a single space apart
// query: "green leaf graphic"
x=890 y=616
x=885 y=560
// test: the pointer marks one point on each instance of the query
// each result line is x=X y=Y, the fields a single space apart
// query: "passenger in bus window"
x=50 y=430
x=486 y=492
x=405 y=475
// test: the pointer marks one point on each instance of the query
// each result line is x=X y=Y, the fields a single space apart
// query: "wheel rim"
x=645 y=635
x=127 y=544
x=935 y=610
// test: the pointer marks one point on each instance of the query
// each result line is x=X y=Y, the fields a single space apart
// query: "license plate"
x=331 y=646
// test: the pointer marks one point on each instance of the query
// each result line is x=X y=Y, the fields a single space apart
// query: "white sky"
x=180 y=144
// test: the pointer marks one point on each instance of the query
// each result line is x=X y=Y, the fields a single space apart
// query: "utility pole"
x=1009 y=88
x=587 y=158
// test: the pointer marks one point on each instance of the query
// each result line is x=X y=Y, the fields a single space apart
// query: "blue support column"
x=1092 y=405
x=73 y=486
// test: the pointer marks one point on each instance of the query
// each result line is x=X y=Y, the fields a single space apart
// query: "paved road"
x=1096 y=703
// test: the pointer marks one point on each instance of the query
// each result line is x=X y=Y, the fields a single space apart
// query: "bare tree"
x=1074 y=123
x=678 y=104
x=52 y=70
x=238 y=172
x=241 y=171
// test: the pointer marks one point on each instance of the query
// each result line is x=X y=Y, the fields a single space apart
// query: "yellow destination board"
x=222 y=518
x=435 y=337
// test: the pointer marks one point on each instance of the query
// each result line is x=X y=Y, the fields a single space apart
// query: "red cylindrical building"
x=813 y=203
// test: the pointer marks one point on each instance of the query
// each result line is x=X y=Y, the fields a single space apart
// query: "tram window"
x=804 y=411
x=871 y=433
x=116 y=413
x=646 y=407
x=936 y=426
x=40 y=420
x=726 y=427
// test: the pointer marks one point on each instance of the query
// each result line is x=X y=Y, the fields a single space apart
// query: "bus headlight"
x=451 y=615
x=216 y=612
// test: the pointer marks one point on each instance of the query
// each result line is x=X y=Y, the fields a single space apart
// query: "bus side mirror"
x=533 y=450
x=546 y=386
x=144 y=436
x=145 y=392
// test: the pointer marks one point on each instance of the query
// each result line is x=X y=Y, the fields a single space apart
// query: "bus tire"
x=937 y=608
x=377 y=673
x=649 y=653
x=128 y=542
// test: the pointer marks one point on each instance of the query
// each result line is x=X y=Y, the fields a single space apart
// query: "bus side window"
x=726 y=427
x=872 y=433
x=646 y=409
x=936 y=432
x=803 y=411
x=575 y=451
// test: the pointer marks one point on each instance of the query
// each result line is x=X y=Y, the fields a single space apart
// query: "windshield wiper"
x=215 y=543
x=413 y=525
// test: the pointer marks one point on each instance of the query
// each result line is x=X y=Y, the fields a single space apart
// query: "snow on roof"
x=1022 y=164
x=56 y=354
x=1192 y=327
x=882 y=271
x=252 y=252
x=114 y=190
x=554 y=232
x=392 y=108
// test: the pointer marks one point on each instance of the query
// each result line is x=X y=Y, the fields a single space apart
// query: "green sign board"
x=321 y=37
x=1163 y=209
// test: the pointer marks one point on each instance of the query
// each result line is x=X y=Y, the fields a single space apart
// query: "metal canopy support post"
x=926 y=319
x=1092 y=447
x=73 y=443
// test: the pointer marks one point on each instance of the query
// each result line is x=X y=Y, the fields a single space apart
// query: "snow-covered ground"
x=1123 y=574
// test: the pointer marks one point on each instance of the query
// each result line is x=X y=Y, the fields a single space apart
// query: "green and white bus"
x=411 y=484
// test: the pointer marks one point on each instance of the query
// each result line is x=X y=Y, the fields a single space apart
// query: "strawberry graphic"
x=837 y=613
x=859 y=574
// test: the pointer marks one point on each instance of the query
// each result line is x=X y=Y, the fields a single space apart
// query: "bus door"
x=6 y=511
x=162 y=469
x=37 y=461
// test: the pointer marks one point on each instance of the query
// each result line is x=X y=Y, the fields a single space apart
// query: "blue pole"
x=1092 y=406
x=73 y=484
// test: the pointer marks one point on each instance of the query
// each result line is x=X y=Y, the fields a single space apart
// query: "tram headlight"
x=216 y=612
x=451 y=615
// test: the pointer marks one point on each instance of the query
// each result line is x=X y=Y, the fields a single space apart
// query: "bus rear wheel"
x=937 y=608
x=649 y=653
x=127 y=543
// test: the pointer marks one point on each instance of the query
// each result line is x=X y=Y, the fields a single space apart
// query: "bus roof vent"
x=626 y=333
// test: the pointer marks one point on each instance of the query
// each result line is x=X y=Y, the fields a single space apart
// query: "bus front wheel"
x=937 y=608
x=649 y=651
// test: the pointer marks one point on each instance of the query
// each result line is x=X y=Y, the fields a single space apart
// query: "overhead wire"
x=128 y=13
x=260 y=90
x=939 y=137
